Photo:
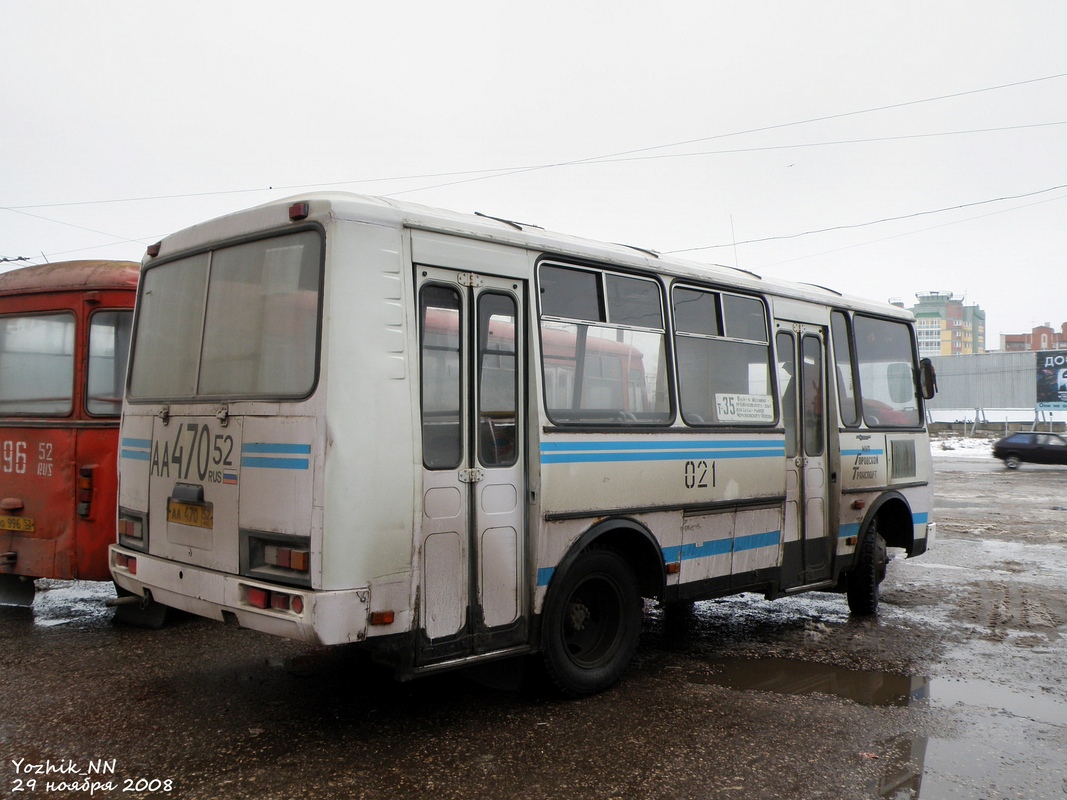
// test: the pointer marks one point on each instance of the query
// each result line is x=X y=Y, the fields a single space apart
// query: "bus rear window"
x=238 y=322
x=37 y=364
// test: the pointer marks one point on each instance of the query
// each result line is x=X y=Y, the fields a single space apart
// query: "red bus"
x=64 y=342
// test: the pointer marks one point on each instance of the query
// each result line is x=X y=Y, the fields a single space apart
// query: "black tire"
x=591 y=624
x=1012 y=461
x=867 y=573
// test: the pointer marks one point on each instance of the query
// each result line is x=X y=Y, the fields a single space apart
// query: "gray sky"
x=675 y=125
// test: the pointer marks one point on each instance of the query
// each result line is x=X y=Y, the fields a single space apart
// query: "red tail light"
x=274 y=600
x=85 y=491
x=260 y=598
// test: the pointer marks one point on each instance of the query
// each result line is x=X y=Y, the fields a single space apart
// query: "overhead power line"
x=912 y=215
x=623 y=155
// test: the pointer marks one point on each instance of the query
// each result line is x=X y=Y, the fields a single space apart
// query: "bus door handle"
x=471 y=475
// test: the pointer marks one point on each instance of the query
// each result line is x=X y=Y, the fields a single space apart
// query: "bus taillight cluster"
x=279 y=601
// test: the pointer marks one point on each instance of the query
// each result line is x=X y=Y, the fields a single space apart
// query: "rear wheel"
x=867 y=572
x=1012 y=461
x=592 y=623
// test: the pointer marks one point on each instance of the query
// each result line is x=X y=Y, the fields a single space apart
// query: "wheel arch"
x=631 y=540
x=895 y=520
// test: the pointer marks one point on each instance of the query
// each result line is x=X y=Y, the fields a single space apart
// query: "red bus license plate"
x=19 y=524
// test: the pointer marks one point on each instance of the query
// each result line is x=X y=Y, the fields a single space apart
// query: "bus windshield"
x=236 y=322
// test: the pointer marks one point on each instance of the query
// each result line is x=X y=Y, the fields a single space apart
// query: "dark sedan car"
x=1036 y=448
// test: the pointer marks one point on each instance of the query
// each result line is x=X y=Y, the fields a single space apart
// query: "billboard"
x=1052 y=380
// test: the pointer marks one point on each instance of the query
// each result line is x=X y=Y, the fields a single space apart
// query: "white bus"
x=455 y=438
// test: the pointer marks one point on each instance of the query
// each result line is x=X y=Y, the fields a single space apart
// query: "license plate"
x=20 y=524
x=198 y=515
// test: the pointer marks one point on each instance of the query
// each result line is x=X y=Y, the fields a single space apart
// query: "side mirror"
x=927 y=378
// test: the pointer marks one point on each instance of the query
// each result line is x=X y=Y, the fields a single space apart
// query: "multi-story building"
x=945 y=326
x=1043 y=337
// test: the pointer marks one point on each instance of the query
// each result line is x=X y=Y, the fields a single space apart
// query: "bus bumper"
x=331 y=617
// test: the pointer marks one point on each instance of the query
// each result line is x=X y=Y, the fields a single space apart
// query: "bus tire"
x=592 y=624
x=867 y=572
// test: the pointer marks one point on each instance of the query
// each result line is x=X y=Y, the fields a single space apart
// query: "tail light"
x=128 y=563
x=131 y=530
x=258 y=597
x=276 y=557
x=85 y=491
x=286 y=557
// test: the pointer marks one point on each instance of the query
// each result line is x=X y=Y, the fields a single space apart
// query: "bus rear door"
x=472 y=539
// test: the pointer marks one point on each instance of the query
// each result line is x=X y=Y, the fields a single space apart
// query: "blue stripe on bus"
x=544 y=575
x=275 y=455
x=688 y=552
x=722 y=547
x=863 y=452
x=851 y=529
x=136 y=449
x=601 y=452
x=274 y=463
x=757 y=540
x=280 y=448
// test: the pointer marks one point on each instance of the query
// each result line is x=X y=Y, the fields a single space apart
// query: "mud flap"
x=16 y=590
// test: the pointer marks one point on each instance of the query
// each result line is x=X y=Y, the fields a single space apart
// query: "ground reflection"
x=903 y=757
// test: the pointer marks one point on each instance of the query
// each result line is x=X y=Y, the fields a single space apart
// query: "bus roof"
x=70 y=275
x=323 y=206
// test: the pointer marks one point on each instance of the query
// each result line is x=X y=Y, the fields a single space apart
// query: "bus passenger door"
x=473 y=540
x=801 y=368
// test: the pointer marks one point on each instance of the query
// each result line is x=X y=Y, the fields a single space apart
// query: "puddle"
x=996 y=749
x=787 y=676
x=1029 y=706
x=903 y=758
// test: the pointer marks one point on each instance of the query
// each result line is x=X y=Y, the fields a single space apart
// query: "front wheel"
x=592 y=623
x=867 y=572
x=1012 y=461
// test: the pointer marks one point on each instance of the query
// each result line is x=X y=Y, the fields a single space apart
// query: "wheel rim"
x=592 y=621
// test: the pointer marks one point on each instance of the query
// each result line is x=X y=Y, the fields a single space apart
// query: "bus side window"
x=497 y=380
x=603 y=348
x=787 y=378
x=724 y=358
x=846 y=380
x=441 y=368
x=886 y=362
x=37 y=364
x=109 y=345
